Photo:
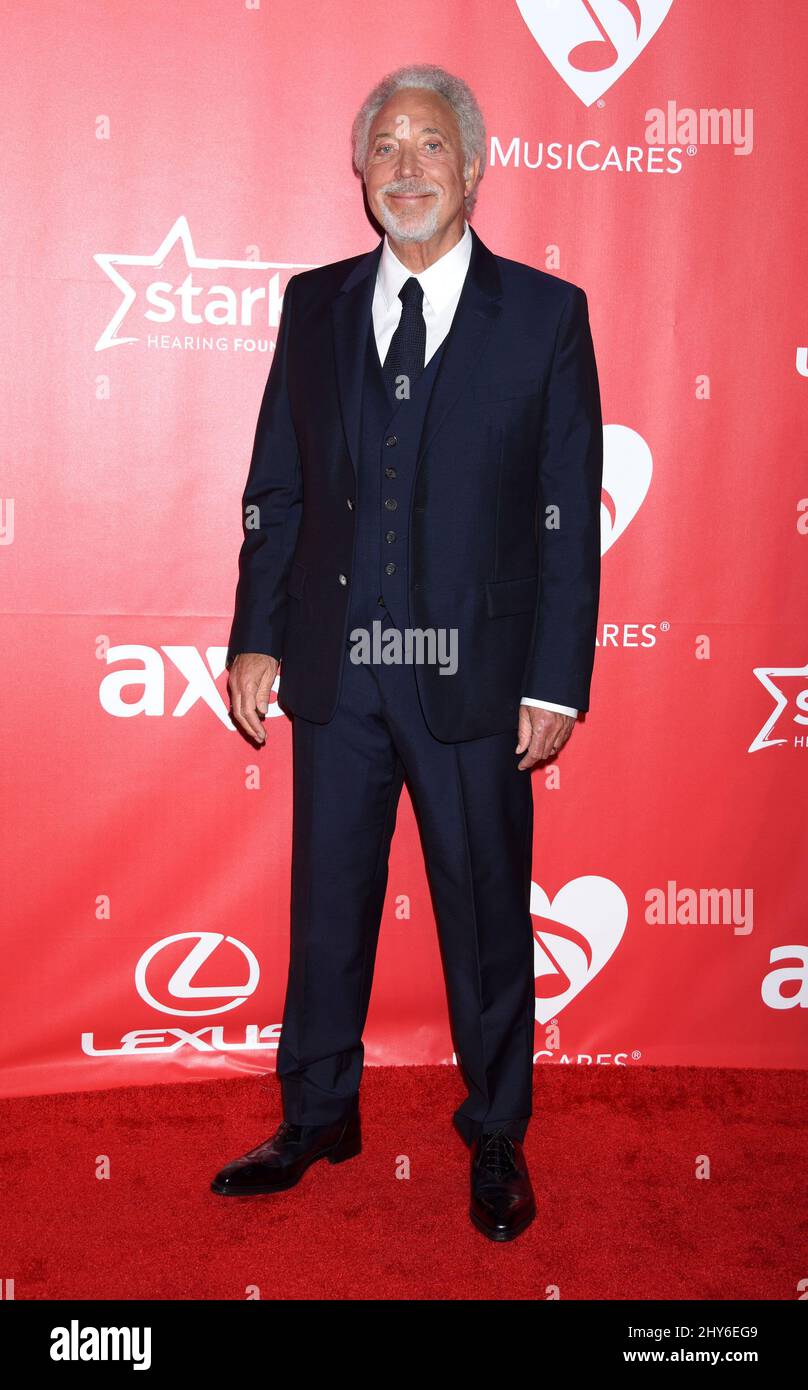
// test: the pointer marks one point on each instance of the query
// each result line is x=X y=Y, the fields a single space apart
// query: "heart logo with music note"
x=591 y=43
x=627 y=470
x=574 y=936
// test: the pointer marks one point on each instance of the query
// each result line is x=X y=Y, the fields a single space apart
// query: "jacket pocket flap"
x=504 y=596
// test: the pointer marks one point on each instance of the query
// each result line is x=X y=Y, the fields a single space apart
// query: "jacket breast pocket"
x=506 y=596
x=506 y=390
x=297 y=581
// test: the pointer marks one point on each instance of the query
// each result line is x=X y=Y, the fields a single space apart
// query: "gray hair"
x=453 y=90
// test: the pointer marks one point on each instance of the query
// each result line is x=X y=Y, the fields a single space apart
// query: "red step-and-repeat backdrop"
x=166 y=169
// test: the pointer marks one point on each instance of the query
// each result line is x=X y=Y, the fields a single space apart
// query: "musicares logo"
x=575 y=935
x=591 y=43
x=627 y=470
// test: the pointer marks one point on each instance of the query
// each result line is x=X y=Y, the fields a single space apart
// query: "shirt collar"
x=440 y=282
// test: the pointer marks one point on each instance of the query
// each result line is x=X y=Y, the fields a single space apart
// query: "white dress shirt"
x=441 y=283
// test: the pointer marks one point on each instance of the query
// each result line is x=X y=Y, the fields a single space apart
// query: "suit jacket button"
x=343 y=579
x=350 y=504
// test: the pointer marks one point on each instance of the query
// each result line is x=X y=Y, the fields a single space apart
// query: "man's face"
x=414 y=176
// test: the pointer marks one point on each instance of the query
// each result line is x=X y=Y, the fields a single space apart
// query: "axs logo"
x=140 y=686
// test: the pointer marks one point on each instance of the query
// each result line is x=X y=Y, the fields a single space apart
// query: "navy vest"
x=389 y=438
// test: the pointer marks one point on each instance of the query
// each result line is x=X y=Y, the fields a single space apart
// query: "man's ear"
x=471 y=177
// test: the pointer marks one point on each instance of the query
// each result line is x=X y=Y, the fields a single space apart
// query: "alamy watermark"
x=409 y=646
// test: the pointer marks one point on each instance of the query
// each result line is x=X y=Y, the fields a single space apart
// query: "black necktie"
x=405 y=355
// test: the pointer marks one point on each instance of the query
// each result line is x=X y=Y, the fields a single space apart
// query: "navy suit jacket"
x=505 y=524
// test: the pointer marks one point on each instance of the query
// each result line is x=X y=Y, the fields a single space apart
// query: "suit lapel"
x=351 y=317
x=477 y=311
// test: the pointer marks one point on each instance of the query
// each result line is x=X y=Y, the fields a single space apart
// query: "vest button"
x=343 y=579
x=390 y=569
x=389 y=472
x=390 y=537
x=391 y=441
x=390 y=503
x=350 y=503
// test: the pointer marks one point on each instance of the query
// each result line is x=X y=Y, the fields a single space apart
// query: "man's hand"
x=250 y=680
x=542 y=732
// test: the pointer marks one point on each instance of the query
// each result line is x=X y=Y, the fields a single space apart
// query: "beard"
x=411 y=225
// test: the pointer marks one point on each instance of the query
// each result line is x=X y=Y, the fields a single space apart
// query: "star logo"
x=214 y=307
x=765 y=675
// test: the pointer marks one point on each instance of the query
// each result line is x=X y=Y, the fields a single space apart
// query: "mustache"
x=410 y=186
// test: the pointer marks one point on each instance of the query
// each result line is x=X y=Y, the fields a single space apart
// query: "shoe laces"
x=497 y=1153
x=268 y=1145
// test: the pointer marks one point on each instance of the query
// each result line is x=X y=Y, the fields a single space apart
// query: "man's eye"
x=382 y=149
x=434 y=145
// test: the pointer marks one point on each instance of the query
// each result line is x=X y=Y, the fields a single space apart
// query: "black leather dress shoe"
x=502 y=1201
x=281 y=1161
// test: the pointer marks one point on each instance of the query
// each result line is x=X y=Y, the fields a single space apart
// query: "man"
x=428 y=458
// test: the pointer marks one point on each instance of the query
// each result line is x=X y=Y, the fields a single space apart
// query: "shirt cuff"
x=545 y=704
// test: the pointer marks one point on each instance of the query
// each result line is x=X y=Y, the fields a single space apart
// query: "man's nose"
x=408 y=165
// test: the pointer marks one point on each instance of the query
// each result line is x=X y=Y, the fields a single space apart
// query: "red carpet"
x=613 y=1156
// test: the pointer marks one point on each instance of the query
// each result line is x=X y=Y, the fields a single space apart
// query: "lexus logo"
x=150 y=979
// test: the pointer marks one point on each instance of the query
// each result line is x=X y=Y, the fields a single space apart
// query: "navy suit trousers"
x=475 y=816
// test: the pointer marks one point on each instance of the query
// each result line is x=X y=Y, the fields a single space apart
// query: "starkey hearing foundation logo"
x=173 y=299
x=787 y=725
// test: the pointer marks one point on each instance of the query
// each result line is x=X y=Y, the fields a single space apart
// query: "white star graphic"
x=180 y=232
x=764 y=674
